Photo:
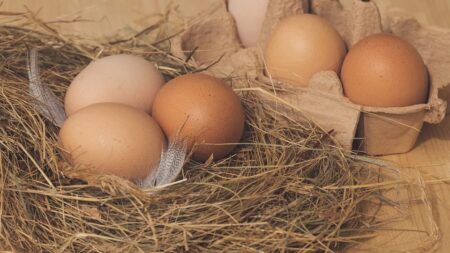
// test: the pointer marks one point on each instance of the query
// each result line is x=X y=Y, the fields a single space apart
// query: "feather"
x=170 y=165
x=172 y=158
x=49 y=106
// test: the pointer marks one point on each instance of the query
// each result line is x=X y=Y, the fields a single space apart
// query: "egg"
x=113 y=139
x=384 y=70
x=249 y=16
x=125 y=79
x=202 y=110
x=301 y=46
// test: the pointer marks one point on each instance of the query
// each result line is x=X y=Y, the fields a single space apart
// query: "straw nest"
x=287 y=188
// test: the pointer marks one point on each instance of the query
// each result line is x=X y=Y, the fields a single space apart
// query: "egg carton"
x=213 y=44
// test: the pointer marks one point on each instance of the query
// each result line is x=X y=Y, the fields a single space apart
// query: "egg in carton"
x=214 y=44
x=394 y=130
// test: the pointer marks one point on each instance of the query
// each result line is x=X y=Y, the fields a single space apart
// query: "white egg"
x=124 y=79
x=249 y=16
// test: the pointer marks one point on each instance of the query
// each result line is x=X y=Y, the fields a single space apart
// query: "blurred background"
x=106 y=17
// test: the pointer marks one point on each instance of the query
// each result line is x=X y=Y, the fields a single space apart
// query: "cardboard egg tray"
x=213 y=43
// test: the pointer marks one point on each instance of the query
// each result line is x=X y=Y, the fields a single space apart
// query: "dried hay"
x=288 y=187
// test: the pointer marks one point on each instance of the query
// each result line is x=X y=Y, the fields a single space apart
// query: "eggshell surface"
x=301 y=46
x=383 y=70
x=202 y=110
x=125 y=79
x=113 y=139
x=249 y=16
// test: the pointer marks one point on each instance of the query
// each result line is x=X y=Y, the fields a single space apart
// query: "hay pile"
x=288 y=187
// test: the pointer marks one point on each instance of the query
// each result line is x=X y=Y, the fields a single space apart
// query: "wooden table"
x=431 y=156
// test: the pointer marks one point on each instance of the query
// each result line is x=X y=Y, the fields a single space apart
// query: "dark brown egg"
x=203 y=110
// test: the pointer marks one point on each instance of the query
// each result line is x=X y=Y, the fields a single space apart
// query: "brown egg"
x=202 y=109
x=113 y=139
x=301 y=46
x=125 y=79
x=383 y=70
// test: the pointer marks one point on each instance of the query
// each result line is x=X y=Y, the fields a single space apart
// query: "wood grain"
x=430 y=157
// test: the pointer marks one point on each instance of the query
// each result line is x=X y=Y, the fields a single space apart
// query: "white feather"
x=172 y=158
x=49 y=105
x=170 y=165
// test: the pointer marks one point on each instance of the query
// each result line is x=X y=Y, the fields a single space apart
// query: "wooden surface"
x=431 y=156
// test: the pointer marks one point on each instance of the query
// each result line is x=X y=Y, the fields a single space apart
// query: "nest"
x=287 y=188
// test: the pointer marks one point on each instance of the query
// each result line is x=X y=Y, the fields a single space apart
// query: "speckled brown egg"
x=384 y=70
x=301 y=46
x=203 y=110
x=123 y=78
x=113 y=138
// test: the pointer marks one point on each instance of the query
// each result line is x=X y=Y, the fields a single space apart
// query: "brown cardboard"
x=323 y=102
x=431 y=42
x=393 y=130
x=355 y=23
x=383 y=130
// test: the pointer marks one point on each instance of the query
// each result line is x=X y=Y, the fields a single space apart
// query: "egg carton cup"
x=213 y=44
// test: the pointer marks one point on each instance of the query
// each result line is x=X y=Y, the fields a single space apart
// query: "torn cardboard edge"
x=383 y=130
